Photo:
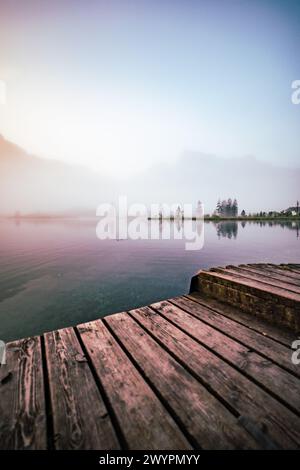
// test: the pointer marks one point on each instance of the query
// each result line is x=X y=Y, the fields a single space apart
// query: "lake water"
x=57 y=273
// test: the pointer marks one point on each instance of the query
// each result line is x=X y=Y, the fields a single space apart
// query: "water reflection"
x=229 y=229
x=224 y=229
x=56 y=272
x=168 y=228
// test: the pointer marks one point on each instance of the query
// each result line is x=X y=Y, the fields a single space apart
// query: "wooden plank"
x=269 y=273
x=259 y=369
x=291 y=265
x=285 y=337
x=80 y=418
x=291 y=268
x=264 y=289
x=22 y=402
x=260 y=277
x=287 y=270
x=272 y=268
x=210 y=424
x=273 y=304
x=264 y=346
x=143 y=419
x=279 y=426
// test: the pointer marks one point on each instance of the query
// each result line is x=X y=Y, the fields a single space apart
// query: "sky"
x=120 y=86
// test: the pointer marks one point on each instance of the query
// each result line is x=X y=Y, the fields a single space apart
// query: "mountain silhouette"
x=29 y=184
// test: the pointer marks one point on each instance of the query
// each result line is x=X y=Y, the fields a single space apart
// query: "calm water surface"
x=56 y=273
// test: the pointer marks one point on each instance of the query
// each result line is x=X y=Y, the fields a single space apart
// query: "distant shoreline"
x=206 y=218
x=232 y=219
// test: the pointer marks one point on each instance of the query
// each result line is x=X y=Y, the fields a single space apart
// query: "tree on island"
x=224 y=208
x=219 y=206
x=227 y=208
x=235 y=208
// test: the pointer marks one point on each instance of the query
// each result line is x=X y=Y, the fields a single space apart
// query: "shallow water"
x=57 y=273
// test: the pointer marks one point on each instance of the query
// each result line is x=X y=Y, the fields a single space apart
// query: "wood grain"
x=243 y=273
x=202 y=415
x=267 y=347
x=280 y=269
x=255 y=286
x=260 y=369
x=80 y=418
x=211 y=369
x=144 y=421
x=275 y=274
x=270 y=417
x=281 y=335
x=275 y=305
x=22 y=403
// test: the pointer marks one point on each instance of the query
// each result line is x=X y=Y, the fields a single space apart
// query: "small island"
x=228 y=210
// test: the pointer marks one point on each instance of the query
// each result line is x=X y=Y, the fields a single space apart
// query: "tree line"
x=227 y=208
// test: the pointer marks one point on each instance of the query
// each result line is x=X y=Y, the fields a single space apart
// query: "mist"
x=31 y=185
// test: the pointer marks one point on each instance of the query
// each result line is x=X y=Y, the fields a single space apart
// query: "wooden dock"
x=208 y=370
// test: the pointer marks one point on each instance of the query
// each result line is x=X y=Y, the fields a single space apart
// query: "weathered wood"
x=205 y=370
x=267 y=273
x=80 y=418
x=272 y=268
x=270 y=417
x=203 y=416
x=284 y=268
x=267 y=347
x=265 y=290
x=258 y=368
x=291 y=268
x=144 y=421
x=259 y=278
x=22 y=402
x=283 y=336
x=276 y=305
